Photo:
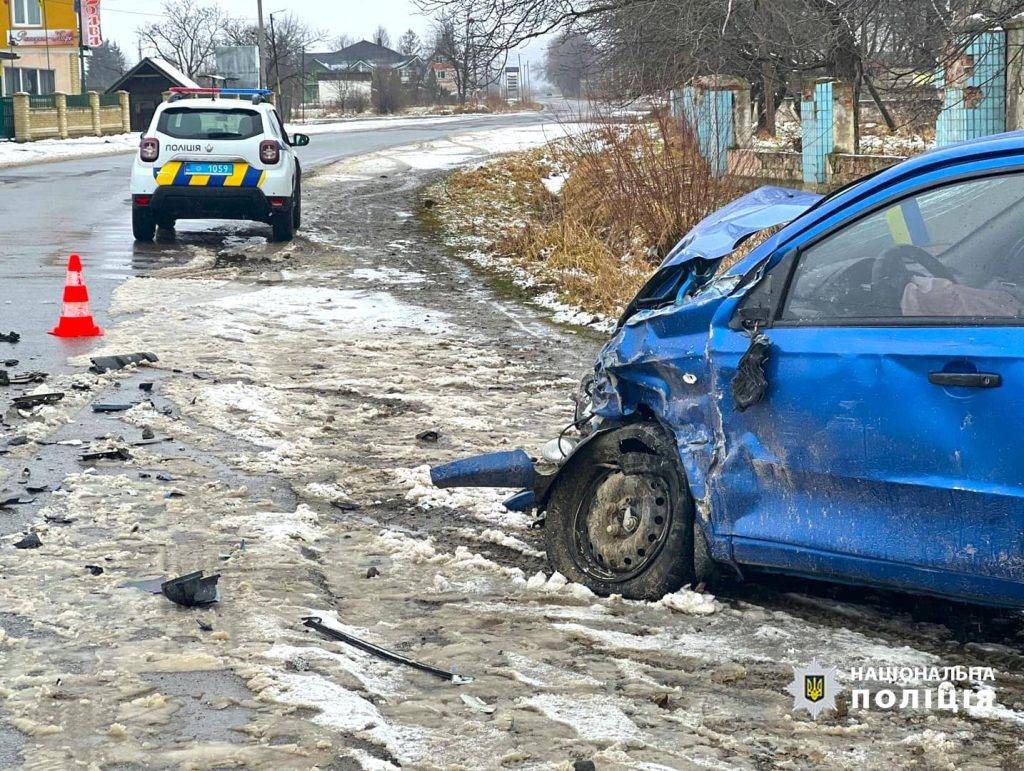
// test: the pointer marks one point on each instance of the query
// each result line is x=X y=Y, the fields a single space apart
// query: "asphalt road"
x=48 y=211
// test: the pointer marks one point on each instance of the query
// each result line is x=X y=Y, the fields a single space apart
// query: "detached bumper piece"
x=192 y=590
x=512 y=469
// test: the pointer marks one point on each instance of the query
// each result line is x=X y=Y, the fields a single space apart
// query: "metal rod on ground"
x=317 y=623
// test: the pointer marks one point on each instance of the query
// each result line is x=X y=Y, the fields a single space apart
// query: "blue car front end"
x=842 y=401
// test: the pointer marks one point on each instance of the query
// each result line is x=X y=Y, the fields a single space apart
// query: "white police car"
x=217 y=154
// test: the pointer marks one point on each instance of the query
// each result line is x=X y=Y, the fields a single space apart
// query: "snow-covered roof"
x=164 y=67
x=173 y=72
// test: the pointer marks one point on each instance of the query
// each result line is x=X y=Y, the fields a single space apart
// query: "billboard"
x=240 y=65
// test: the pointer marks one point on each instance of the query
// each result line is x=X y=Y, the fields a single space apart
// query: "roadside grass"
x=627 y=194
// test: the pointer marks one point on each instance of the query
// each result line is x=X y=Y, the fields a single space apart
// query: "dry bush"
x=632 y=192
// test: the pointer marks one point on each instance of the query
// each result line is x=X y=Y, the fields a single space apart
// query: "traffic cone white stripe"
x=75 y=310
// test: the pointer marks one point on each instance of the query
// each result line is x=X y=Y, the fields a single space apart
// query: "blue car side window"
x=952 y=252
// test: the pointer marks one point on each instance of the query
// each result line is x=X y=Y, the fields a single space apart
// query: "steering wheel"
x=891 y=273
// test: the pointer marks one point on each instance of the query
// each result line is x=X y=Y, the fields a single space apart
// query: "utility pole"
x=277 y=62
x=81 y=44
x=262 y=43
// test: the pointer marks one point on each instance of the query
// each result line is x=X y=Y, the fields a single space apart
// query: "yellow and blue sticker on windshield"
x=174 y=174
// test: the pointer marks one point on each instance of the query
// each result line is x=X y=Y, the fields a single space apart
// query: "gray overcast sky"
x=356 y=18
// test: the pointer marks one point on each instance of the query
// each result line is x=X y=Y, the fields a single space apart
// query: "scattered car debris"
x=147 y=433
x=58 y=519
x=192 y=590
x=174 y=494
x=11 y=362
x=110 y=407
x=40 y=488
x=10 y=337
x=316 y=623
x=477 y=704
x=17 y=441
x=373 y=571
x=15 y=500
x=205 y=626
x=430 y=436
x=114 y=453
x=343 y=505
x=5 y=379
x=95 y=570
x=101 y=364
x=30 y=541
x=24 y=378
x=165 y=477
x=28 y=401
x=147 y=387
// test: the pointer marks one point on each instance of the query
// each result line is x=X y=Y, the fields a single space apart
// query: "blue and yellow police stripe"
x=172 y=174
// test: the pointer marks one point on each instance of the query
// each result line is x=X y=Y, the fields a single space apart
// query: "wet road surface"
x=48 y=211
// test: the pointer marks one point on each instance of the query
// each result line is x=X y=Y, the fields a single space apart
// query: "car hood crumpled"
x=718 y=234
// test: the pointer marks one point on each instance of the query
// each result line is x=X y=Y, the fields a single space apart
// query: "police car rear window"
x=211 y=123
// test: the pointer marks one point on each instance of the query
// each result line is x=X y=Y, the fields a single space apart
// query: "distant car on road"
x=842 y=403
x=217 y=154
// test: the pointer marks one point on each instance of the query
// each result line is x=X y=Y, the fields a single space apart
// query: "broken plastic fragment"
x=34 y=400
x=192 y=590
x=111 y=407
x=30 y=541
x=314 y=622
x=102 y=364
x=117 y=453
x=10 y=337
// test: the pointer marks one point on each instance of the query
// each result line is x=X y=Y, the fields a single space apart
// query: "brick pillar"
x=76 y=73
x=94 y=107
x=61 y=101
x=844 y=118
x=126 y=111
x=22 y=118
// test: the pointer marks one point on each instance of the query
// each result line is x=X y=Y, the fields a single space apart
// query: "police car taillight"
x=149 y=150
x=270 y=152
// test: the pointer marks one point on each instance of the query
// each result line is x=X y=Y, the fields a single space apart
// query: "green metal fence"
x=7 y=117
x=42 y=101
x=78 y=101
x=110 y=100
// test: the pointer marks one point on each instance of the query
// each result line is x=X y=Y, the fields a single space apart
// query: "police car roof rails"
x=257 y=94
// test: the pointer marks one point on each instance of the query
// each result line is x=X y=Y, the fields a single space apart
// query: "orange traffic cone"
x=75 y=316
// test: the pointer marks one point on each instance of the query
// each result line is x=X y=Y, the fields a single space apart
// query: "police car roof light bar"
x=258 y=94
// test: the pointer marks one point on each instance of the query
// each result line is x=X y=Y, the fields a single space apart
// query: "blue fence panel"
x=973 y=90
x=816 y=132
x=709 y=113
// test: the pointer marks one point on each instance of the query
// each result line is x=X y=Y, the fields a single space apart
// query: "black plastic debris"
x=58 y=519
x=15 y=500
x=192 y=590
x=147 y=433
x=10 y=362
x=205 y=626
x=147 y=387
x=5 y=379
x=174 y=494
x=101 y=364
x=95 y=570
x=373 y=571
x=342 y=505
x=749 y=384
x=115 y=453
x=109 y=407
x=30 y=541
x=431 y=436
x=314 y=622
x=26 y=378
x=10 y=337
x=35 y=400
x=17 y=441
x=165 y=477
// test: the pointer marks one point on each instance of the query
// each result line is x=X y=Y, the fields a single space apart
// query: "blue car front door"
x=888 y=447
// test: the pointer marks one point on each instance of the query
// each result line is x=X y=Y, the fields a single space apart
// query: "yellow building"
x=43 y=35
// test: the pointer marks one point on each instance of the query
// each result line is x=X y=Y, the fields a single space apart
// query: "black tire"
x=283 y=224
x=166 y=223
x=143 y=225
x=651 y=552
x=297 y=204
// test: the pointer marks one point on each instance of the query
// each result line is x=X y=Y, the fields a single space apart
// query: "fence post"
x=61 y=102
x=94 y=108
x=743 y=120
x=22 y=118
x=126 y=112
x=844 y=120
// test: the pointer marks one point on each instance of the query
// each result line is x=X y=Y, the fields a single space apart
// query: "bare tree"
x=568 y=62
x=472 y=51
x=106 y=65
x=341 y=41
x=409 y=44
x=187 y=35
x=381 y=37
x=287 y=41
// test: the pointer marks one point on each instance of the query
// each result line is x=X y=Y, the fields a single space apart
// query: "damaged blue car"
x=840 y=403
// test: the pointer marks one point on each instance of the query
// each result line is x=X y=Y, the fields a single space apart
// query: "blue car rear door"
x=889 y=445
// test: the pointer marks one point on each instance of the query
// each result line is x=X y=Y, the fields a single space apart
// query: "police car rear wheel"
x=143 y=225
x=297 y=205
x=621 y=518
